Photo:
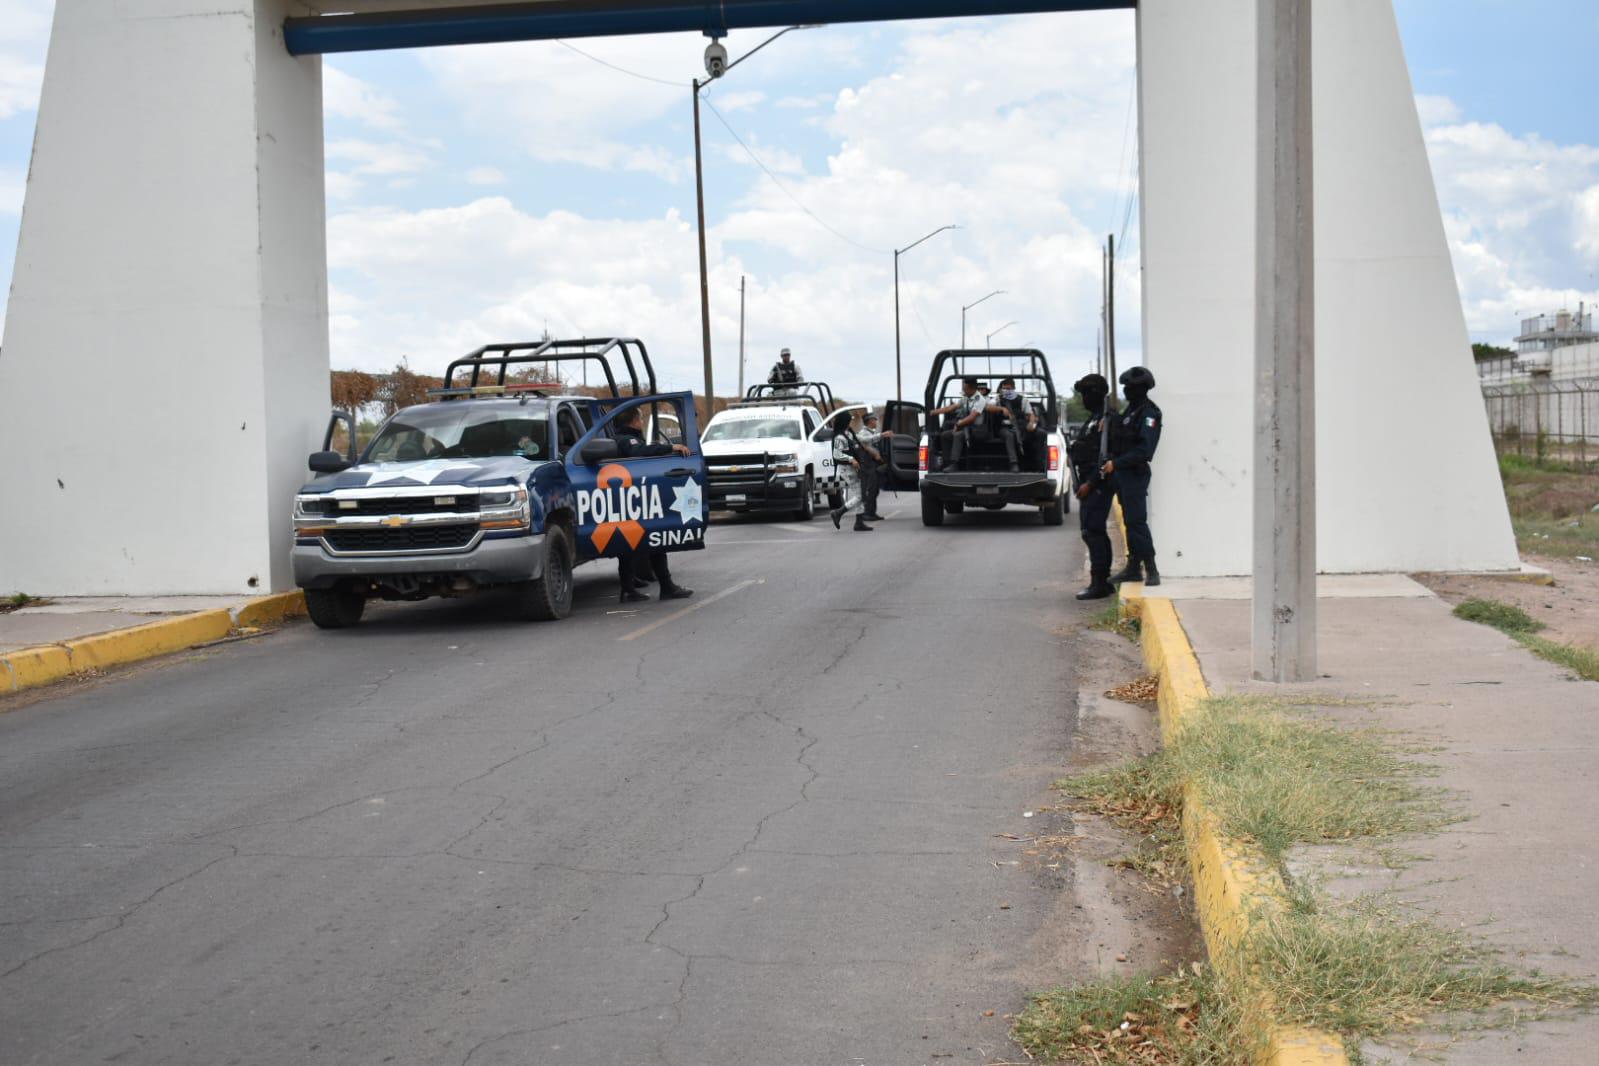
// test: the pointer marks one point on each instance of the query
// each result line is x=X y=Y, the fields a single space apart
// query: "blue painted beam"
x=609 y=18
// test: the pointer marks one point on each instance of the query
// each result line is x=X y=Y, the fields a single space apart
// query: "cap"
x=785 y=352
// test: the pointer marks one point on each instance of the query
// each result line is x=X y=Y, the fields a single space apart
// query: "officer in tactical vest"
x=849 y=453
x=1134 y=435
x=872 y=443
x=1088 y=450
x=630 y=442
x=785 y=371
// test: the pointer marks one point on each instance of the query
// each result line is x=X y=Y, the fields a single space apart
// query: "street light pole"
x=899 y=382
x=968 y=307
x=699 y=203
x=989 y=341
x=741 y=335
x=705 y=282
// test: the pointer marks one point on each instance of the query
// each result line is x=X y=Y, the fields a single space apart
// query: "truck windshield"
x=460 y=430
x=753 y=429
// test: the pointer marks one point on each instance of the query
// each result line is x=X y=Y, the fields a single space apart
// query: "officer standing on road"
x=871 y=439
x=1088 y=451
x=785 y=371
x=848 y=452
x=632 y=445
x=1134 y=435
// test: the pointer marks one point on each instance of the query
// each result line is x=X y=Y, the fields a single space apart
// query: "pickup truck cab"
x=499 y=482
x=982 y=477
x=770 y=452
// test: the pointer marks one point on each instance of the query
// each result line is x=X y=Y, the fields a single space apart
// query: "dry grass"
x=1143 y=690
x=1176 y=1020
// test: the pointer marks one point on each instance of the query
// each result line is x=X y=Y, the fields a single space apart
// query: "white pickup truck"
x=772 y=452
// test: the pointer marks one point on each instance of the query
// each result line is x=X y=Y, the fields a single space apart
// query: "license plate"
x=988 y=490
x=735 y=497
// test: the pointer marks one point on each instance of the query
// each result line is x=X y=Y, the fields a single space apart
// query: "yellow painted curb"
x=270 y=609
x=1230 y=886
x=44 y=664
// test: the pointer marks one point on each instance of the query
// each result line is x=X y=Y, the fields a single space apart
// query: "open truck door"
x=905 y=420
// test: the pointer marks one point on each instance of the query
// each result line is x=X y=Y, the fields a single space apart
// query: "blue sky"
x=463 y=207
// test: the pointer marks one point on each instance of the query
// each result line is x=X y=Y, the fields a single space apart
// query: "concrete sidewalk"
x=1517 y=739
x=71 y=617
x=59 y=638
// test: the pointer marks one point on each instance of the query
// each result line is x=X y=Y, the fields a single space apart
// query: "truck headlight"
x=505 y=510
x=310 y=513
x=784 y=464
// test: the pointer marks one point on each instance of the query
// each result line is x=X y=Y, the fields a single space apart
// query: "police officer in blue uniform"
x=1134 y=434
x=632 y=445
x=1087 y=453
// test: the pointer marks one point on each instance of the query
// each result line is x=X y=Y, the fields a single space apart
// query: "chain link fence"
x=1551 y=420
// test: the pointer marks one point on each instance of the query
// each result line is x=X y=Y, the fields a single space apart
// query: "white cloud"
x=374 y=158
x=1021 y=161
x=485 y=176
x=24 y=30
x=346 y=96
x=1522 y=216
x=1436 y=110
x=740 y=101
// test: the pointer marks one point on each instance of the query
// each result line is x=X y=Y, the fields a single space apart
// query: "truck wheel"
x=932 y=511
x=339 y=607
x=549 y=596
x=1054 y=511
x=807 y=507
x=957 y=507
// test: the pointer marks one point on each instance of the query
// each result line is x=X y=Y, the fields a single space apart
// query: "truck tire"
x=548 y=597
x=932 y=511
x=1054 y=511
x=807 y=507
x=339 y=607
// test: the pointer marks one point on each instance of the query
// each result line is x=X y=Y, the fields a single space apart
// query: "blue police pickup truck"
x=503 y=480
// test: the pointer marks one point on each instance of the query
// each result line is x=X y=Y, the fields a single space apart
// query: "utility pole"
x=899 y=375
x=1110 y=311
x=741 y=335
x=1284 y=608
x=705 y=284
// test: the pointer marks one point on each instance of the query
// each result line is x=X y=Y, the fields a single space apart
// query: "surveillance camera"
x=715 y=59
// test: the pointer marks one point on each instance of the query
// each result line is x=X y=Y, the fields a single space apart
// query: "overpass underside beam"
x=547 y=19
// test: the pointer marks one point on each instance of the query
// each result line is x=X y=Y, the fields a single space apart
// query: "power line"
x=619 y=70
x=785 y=190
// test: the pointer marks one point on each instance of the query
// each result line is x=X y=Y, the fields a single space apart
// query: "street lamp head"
x=715 y=59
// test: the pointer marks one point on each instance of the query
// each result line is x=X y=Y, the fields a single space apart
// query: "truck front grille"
x=408 y=538
x=443 y=503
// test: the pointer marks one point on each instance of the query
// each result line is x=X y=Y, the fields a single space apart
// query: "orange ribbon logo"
x=621 y=477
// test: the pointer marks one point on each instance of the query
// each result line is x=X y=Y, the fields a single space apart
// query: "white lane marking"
x=690 y=609
x=794 y=527
x=720 y=543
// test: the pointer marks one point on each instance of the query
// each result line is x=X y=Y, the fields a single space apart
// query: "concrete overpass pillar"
x=164 y=367
x=1406 y=477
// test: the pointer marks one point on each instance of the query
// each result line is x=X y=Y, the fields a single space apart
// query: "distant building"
x=1561 y=346
x=1544 y=333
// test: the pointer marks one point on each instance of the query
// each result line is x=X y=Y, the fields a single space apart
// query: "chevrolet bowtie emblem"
x=735 y=470
x=396 y=521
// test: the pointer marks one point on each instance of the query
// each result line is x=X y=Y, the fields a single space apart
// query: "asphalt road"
x=760 y=827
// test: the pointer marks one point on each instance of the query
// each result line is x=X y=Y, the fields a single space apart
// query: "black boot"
x=837 y=515
x=675 y=592
x=1099 y=587
x=1132 y=572
x=861 y=525
x=1151 y=575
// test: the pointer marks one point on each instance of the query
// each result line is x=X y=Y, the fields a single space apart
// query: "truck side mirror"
x=600 y=450
x=825 y=434
x=328 y=463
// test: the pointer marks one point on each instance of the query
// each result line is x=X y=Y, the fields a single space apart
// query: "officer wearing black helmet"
x=1134 y=434
x=1087 y=451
